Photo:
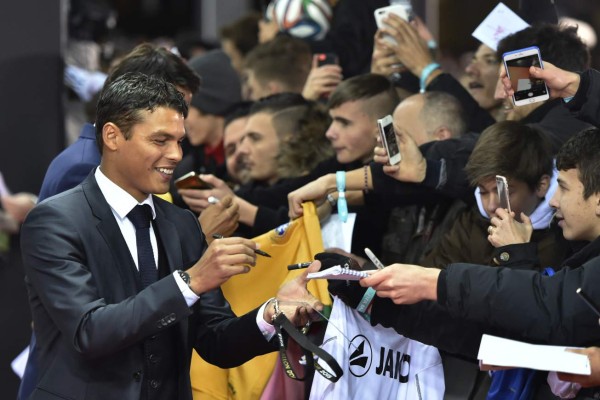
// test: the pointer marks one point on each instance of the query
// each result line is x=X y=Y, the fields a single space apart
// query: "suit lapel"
x=109 y=230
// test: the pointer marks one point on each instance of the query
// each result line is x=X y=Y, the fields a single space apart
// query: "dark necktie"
x=140 y=217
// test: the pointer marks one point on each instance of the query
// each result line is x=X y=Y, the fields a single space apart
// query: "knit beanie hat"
x=220 y=88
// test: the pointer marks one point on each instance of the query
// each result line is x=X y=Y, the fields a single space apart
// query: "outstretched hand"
x=197 y=200
x=221 y=218
x=410 y=49
x=403 y=283
x=314 y=191
x=295 y=301
x=412 y=167
x=560 y=82
x=593 y=353
x=321 y=80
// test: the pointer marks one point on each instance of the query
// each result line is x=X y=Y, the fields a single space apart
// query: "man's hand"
x=321 y=80
x=18 y=205
x=505 y=230
x=561 y=83
x=384 y=60
x=592 y=380
x=223 y=259
x=221 y=218
x=403 y=283
x=411 y=50
x=295 y=301
x=314 y=191
x=412 y=167
x=197 y=200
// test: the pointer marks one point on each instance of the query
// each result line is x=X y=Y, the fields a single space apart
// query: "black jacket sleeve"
x=527 y=304
x=586 y=103
x=452 y=181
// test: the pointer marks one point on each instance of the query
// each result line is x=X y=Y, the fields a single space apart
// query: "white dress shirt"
x=121 y=203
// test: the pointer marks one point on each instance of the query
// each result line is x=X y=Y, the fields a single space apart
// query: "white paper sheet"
x=337 y=233
x=501 y=22
x=502 y=352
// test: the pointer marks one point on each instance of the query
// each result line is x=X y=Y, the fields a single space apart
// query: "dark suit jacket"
x=89 y=317
x=72 y=165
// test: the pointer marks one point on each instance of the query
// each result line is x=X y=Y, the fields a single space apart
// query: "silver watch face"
x=185 y=276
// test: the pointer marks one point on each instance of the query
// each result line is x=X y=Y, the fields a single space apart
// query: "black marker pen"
x=589 y=302
x=299 y=265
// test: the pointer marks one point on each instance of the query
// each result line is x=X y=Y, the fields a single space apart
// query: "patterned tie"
x=140 y=217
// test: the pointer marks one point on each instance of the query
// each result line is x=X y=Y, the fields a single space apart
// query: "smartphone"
x=191 y=180
x=374 y=258
x=502 y=187
x=527 y=89
x=381 y=13
x=389 y=139
x=326 y=58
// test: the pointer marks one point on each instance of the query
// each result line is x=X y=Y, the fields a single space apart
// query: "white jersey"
x=378 y=363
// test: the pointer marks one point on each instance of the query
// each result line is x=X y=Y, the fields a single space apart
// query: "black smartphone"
x=191 y=180
x=326 y=58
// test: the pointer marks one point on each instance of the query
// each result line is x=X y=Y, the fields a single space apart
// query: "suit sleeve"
x=55 y=263
x=222 y=338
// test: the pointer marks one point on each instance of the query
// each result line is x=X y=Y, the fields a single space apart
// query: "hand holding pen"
x=221 y=260
x=257 y=251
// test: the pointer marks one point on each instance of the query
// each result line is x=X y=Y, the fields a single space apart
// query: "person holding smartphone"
x=324 y=76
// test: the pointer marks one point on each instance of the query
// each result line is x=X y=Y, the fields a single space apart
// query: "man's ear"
x=542 y=186
x=596 y=197
x=442 y=133
x=274 y=87
x=111 y=135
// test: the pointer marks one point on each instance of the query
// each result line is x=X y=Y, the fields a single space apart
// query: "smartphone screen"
x=503 y=195
x=326 y=58
x=388 y=137
x=527 y=89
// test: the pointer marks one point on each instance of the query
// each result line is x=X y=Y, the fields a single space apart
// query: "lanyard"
x=282 y=324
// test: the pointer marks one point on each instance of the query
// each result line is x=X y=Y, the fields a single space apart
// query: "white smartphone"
x=503 y=195
x=527 y=89
x=381 y=13
x=374 y=258
x=389 y=139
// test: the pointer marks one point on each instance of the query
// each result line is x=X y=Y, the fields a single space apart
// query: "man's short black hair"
x=582 y=151
x=122 y=100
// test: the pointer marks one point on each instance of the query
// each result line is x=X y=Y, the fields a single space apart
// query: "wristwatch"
x=185 y=276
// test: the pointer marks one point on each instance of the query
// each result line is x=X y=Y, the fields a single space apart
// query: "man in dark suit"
x=74 y=164
x=117 y=306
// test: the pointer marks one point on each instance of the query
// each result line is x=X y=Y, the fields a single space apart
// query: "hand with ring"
x=505 y=229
